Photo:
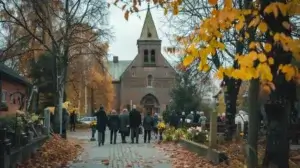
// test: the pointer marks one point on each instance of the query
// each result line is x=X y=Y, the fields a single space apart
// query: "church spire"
x=149 y=30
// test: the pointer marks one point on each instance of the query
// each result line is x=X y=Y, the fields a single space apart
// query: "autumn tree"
x=51 y=25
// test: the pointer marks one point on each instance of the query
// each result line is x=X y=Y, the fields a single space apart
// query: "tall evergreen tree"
x=185 y=94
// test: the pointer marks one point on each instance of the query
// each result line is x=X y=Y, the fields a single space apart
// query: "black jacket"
x=148 y=122
x=135 y=118
x=114 y=122
x=101 y=120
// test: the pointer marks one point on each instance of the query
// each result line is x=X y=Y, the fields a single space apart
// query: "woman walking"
x=124 y=125
x=155 y=123
x=114 y=125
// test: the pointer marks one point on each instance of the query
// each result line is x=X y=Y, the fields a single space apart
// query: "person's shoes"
x=137 y=142
x=99 y=144
x=110 y=142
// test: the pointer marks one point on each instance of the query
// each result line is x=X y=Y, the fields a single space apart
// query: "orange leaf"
x=126 y=15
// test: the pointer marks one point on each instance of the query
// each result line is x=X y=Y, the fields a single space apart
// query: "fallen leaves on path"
x=56 y=152
x=182 y=158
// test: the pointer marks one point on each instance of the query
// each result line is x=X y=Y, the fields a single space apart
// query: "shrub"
x=11 y=122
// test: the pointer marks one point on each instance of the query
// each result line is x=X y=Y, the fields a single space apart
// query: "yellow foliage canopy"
x=206 y=41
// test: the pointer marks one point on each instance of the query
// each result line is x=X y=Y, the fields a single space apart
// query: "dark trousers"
x=147 y=134
x=72 y=126
x=113 y=136
x=101 y=137
x=123 y=136
x=134 y=133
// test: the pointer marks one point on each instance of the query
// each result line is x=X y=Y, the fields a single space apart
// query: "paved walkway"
x=120 y=155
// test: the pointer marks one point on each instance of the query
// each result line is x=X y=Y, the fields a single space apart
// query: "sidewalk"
x=120 y=155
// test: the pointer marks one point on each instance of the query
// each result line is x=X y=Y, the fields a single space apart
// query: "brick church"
x=146 y=80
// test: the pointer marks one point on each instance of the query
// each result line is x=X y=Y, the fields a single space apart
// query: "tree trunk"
x=254 y=118
x=278 y=106
x=230 y=96
x=277 y=149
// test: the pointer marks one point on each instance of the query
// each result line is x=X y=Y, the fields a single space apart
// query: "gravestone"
x=46 y=122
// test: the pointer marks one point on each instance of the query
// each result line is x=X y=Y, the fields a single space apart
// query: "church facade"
x=146 y=80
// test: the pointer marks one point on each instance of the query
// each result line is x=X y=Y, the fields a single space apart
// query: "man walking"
x=101 y=125
x=124 y=125
x=135 y=120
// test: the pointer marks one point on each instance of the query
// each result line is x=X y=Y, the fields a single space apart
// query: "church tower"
x=149 y=45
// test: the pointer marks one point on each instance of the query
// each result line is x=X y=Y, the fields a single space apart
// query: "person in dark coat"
x=65 y=122
x=101 y=125
x=148 y=123
x=135 y=120
x=196 y=117
x=155 y=125
x=114 y=125
x=73 y=120
x=174 y=120
x=124 y=125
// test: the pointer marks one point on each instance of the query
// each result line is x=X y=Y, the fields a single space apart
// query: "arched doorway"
x=150 y=103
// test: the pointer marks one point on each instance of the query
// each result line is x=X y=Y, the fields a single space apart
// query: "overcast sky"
x=127 y=32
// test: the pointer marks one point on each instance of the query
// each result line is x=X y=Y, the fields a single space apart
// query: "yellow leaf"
x=247 y=35
x=283 y=8
x=188 y=60
x=252 y=45
x=262 y=57
x=165 y=11
x=227 y=3
x=270 y=61
x=213 y=2
x=286 y=25
x=220 y=73
x=268 y=47
x=239 y=25
x=126 y=15
x=276 y=37
x=263 y=27
x=272 y=8
x=254 y=22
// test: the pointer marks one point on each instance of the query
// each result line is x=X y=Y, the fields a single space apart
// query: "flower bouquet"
x=197 y=134
x=93 y=126
x=161 y=126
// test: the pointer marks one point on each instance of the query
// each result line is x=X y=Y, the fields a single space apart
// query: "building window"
x=3 y=98
x=149 y=80
x=133 y=74
x=152 y=56
x=146 y=55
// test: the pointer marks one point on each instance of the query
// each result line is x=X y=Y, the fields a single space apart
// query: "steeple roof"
x=149 y=30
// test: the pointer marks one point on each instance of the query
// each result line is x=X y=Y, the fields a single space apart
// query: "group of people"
x=126 y=123
x=198 y=117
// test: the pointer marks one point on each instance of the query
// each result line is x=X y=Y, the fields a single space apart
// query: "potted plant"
x=93 y=126
x=161 y=127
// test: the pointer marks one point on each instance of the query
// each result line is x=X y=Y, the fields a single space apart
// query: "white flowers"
x=194 y=130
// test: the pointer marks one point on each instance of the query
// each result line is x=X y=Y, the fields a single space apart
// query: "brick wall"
x=13 y=102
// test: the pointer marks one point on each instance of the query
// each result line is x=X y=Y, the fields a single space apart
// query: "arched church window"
x=146 y=55
x=152 y=56
x=149 y=80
